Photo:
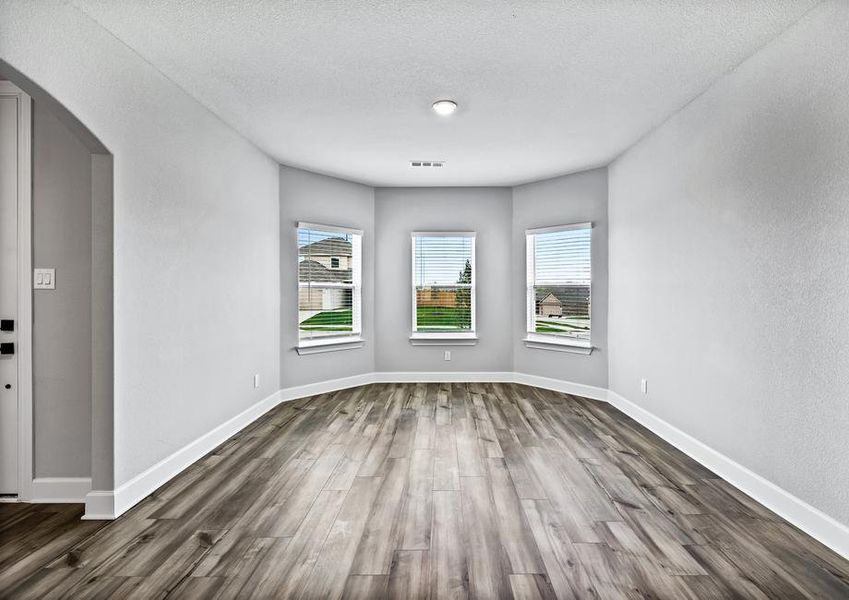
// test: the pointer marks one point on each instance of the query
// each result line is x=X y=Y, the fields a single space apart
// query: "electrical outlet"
x=448 y=355
x=644 y=385
x=256 y=380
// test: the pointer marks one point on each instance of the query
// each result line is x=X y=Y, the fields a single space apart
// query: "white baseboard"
x=565 y=387
x=100 y=506
x=127 y=495
x=547 y=383
x=442 y=376
x=71 y=490
x=812 y=521
x=324 y=387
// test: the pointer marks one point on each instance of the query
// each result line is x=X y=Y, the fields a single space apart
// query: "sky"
x=562 y=257
x=440 y=260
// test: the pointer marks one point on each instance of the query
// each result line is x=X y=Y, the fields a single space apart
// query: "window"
x=329 y=285
x=443 y=285
x=559 y=284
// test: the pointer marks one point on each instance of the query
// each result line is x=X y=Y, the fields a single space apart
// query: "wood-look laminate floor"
x=427 y=491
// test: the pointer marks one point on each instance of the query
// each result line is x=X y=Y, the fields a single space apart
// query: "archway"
x=67 y=411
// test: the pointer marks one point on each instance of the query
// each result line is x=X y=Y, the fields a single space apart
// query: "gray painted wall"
x=574 y=198
x=196 y=224
x=399 y=211
x=729 y=262
x=102 y=323
x=313 y=198
x=61 y=213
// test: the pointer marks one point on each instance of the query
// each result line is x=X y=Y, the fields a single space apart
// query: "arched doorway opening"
x=57 y=258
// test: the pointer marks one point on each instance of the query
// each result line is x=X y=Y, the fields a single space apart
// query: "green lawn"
x=570 y=326
x=329 y=320
x=548 y=329
x=432 y=318
x=429 y=319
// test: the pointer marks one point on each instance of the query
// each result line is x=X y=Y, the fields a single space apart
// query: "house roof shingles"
x=327 y=247
x=310 y=270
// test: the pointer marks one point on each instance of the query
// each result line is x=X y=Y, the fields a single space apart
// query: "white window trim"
x=340 y=342
x=329 y=228
x=443 y=338
x=543 y=341
x=329 y=344
x=556 y=228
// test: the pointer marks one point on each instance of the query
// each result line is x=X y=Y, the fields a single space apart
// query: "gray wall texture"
x=102 y=323
x=570 y=199
x=313 y=198
x=729 y=264
x=61 y=216
x=400 y=211
x=196 y=224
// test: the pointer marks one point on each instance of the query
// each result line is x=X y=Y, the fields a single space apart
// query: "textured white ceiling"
x=344 y=87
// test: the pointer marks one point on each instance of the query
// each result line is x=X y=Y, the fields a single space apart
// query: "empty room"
x=375 y=299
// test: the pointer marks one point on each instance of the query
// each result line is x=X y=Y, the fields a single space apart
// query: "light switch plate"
x=44 y=279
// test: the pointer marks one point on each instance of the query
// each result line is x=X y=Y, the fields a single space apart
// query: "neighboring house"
x=332 y=253
x=572 y=300
x=325 y=261
x=316 y=297
x=550 y=306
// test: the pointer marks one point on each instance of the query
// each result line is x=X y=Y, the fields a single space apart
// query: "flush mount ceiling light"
x=444 y=107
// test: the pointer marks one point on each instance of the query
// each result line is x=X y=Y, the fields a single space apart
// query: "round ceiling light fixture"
x=444 y=107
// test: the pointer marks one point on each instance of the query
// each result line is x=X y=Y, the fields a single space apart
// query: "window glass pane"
x=443 y=260
x=563 y=257
x=327 y=311
x=328 y=283
x=443 y=308
x=563 y=310
x=560 y=283
x=325 y=257
x=443 y=280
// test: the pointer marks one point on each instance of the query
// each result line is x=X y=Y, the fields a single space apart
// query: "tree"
x=463 y=298
x=466 y=273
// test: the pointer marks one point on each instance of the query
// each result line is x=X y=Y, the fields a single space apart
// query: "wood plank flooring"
x=427 y=491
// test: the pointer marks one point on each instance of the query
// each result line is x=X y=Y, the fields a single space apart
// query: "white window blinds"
x=329 y=282
x=443 y=282
x=559 y=277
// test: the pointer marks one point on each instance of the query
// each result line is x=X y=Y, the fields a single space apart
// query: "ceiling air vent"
x=427 y=163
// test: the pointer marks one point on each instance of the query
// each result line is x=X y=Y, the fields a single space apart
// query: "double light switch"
x=44 y=279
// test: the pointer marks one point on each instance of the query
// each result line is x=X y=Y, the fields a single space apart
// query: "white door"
x=9 y=107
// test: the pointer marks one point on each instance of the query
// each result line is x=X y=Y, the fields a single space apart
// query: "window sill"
x=329 y=345
x=443 y=339
x=558 y=345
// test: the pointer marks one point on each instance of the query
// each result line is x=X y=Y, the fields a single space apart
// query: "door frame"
x=24 y=320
